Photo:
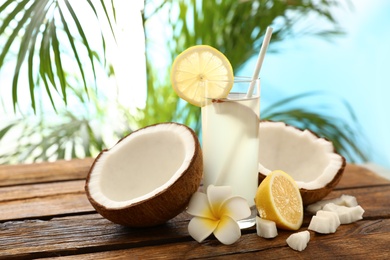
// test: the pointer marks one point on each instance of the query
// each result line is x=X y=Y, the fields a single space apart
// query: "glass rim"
x=235 y=79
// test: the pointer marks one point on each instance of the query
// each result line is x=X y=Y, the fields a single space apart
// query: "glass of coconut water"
x=230 y=140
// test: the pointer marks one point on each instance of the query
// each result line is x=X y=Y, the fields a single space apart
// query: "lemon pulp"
x=278 y=199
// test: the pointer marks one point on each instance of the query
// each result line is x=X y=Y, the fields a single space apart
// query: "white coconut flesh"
x=141 y=165
x=310 y=160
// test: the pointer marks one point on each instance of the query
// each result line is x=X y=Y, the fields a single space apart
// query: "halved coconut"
x=148 y=177
x=309 y=159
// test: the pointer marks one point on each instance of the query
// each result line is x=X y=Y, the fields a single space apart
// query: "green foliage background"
x=235 y=27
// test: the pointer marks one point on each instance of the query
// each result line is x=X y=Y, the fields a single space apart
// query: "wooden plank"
x=44 y=172
x=44 y=207
x=357 y=176
x=40 y=190
x=352 y=178
x=78 y=168
x=315 y=250
x=360 y=239
x=43 y=200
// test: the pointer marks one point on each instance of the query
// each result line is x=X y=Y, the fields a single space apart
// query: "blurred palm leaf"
x=237 y=28
x=44 y=29
x=343 y=132
x=43 y=141
x=67 y=135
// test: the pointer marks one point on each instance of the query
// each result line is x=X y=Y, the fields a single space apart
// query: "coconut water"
x=230 y=129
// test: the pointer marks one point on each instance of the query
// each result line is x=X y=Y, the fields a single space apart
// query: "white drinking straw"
x=260 y=59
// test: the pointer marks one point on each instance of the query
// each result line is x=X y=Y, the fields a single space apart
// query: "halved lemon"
x=197 y=67
x=278 y=199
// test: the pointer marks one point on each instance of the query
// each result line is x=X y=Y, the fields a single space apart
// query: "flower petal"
x=235 y=207
x=201 y=228
x=227 y=231
x=199 y=206
x=216 y=196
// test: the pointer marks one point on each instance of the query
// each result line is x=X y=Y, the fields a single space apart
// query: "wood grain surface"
x=44 y=213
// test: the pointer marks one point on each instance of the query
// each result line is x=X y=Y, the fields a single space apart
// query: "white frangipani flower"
x=217 y=212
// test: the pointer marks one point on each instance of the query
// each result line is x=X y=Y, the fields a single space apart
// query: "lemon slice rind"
x=196 y=65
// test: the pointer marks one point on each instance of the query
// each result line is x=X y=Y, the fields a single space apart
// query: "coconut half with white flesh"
x=148 y=177
x=310 y=160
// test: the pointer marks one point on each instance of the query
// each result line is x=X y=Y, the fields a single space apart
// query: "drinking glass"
x=230 y=140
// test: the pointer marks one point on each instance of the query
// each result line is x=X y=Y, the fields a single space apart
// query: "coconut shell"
x=310 y=196
x=163 y=206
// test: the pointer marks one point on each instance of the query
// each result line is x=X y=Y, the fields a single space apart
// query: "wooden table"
x=44 y=213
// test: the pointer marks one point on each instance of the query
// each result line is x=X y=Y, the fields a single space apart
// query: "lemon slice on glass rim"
x=278 y=199
x=196 y=65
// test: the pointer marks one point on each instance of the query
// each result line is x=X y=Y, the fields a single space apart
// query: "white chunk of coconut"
x=266 y=228
x=346 y=215
x=322 y=224
x=349 y=201
x=335 y=221
x=315 y=207
x=298 y=241
x=343 y=200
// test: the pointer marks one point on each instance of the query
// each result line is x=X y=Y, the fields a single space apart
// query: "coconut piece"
x=148 y=177
x=348 y=201
x=298 y=241
x=346 y=215
x=266 y=228
x=317 y=206
x=343 y=200
x=310 y=160
x=324 y=222
x=323 y=225
x=335 y=221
